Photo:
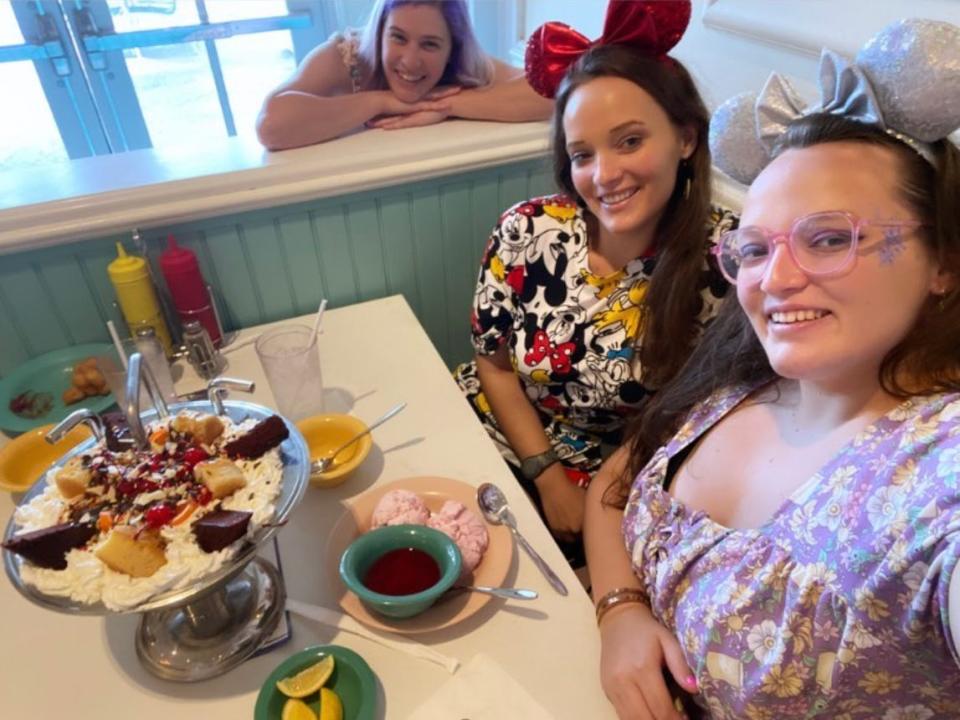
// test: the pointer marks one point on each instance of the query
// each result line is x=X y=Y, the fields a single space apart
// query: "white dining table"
x=373 y=355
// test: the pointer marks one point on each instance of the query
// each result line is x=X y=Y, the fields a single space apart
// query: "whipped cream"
x=87 y=579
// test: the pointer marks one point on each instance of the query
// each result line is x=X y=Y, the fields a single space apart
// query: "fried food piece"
x=132 y=553
x=73 y=478
x=95 y=383
x=221 y=476
x=86 y=381
x=72 y=395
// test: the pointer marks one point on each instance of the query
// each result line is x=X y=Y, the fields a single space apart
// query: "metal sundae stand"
x=206 y=629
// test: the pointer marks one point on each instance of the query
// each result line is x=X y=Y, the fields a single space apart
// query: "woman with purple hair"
x=417 y=62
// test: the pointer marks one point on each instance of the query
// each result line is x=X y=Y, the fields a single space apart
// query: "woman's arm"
x=634 y=646
x=607 y=558
x=318 y=104
x=509 y=99
x=953 y=606
x=520 y=423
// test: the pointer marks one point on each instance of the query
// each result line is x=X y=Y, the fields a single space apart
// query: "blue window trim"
x=89 y=88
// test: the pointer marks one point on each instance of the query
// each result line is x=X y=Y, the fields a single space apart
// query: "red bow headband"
x=651 y=27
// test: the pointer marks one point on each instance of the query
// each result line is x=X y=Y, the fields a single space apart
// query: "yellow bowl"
x=25 y=458
x=324 y=434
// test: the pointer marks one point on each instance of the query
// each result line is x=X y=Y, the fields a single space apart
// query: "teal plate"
x=352 y=680
x=49 y=373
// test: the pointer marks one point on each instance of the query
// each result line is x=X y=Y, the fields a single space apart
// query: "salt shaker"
x=148 y=345
x=201 y=353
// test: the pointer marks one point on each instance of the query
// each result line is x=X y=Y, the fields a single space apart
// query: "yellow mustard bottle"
x=138 y=299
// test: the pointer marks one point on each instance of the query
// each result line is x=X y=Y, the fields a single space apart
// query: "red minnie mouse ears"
x=651 y=27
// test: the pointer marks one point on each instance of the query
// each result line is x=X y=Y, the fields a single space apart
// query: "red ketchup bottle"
x=188 y=289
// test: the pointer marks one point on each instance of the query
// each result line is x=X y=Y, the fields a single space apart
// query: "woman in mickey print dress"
x=595 y=297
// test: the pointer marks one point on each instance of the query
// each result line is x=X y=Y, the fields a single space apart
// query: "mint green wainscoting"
x=423 y=240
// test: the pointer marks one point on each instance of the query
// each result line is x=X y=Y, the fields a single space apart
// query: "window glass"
x=173 y=82
x=224 y=10
x=253 y=65
x=177 y=95
x=354 y=14
x=28 y=133
x=130 y=15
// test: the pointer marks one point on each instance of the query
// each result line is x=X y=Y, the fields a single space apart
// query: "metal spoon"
x=493 y=505
x=324 y=463
x=500 y=592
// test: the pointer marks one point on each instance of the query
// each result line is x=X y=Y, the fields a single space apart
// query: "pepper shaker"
x=201 y=353
x=148 y=345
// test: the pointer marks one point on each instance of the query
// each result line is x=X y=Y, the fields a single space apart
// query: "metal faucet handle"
x=138 y=374
x=218 y=388
x=77 y=417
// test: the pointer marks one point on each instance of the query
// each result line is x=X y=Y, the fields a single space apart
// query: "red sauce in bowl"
x=405 y=571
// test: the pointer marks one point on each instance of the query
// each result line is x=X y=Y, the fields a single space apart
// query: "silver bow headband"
x=905 y=81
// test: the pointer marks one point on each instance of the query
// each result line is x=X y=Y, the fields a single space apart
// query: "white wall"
x=733 y=45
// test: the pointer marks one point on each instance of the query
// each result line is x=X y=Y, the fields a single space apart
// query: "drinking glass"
x=291 y=363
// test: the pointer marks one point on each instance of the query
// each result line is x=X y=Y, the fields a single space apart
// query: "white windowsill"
x=99 y=196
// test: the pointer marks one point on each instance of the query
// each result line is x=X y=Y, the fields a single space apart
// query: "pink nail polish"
x=691 y=682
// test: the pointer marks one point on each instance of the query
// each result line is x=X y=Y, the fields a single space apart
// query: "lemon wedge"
x=294 y=709
x=330 y=706
x=307 y=681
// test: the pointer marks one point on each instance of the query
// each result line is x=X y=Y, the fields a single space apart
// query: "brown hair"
x=673 y=300
x=730 y=353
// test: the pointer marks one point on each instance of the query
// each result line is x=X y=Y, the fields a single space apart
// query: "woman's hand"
x=414 y=119
x=389 y=105
x=434 y=107
x=634 y=649
x=563 y=502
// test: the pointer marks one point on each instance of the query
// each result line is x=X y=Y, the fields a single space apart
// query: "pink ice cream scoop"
x=399 y=507
x=465 y=529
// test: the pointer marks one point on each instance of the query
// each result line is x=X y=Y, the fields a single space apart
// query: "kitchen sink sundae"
x=121 y=526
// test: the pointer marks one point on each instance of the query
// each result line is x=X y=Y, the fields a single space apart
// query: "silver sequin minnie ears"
x=906 y=81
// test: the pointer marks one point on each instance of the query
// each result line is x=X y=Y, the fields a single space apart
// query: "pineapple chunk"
x=182 y=423
x=73 y=478
x=207 y=428
x=135 y=556
x=220 y=476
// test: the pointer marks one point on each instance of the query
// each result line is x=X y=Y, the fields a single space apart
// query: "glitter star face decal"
x=891 y=245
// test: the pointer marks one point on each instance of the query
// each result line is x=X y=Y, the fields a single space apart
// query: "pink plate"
x=491 y=571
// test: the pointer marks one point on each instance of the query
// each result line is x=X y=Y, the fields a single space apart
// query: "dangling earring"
x=686 y=172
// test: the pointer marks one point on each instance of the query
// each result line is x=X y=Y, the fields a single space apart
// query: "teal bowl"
x=363 y=552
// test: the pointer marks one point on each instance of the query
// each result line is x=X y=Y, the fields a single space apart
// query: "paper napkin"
x=481 y=690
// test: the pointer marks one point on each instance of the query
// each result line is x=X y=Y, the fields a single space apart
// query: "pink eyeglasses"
x=821 y=244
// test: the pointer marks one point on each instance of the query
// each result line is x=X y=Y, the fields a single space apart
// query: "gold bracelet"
x=619 y=596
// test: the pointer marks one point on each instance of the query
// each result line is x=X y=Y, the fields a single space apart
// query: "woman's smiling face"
x=624 y=153
x=415 y=47
x=835 y=329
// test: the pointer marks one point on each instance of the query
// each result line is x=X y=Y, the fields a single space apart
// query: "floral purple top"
x=837 y=606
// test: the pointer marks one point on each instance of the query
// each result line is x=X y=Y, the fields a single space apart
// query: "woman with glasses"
x=790 y=502
x=417 y=62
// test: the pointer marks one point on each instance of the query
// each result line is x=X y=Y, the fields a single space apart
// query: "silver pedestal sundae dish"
x=203 y=630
